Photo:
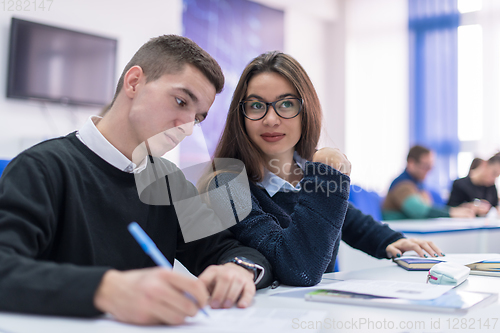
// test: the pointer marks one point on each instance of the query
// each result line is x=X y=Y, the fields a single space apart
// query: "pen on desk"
x=152 y=250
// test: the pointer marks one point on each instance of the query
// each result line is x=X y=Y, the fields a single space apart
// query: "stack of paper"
x=401 y=295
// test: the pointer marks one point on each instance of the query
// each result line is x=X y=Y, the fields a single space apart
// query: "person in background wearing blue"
x=408 y=198
x=478 y=190
x=299 y=208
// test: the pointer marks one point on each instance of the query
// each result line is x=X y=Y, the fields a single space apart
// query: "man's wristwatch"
x=258 y=270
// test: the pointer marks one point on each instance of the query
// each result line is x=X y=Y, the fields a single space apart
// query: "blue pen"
x=152 y=250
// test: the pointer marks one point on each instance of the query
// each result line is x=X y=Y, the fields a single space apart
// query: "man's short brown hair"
x=475 y=163
x=169 y=54
x=494 y=159
x=416 y=152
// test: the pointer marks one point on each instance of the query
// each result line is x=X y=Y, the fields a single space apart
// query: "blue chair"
x=3 y=164
x=370 y=203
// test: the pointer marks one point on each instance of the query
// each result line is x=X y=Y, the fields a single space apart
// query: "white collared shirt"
x=274 y=184
x=90 y=136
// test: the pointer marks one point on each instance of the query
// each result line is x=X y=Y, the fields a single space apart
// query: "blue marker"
x=152 y=250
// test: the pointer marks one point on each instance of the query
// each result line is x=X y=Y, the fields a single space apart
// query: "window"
x=463 y=163
x=467 y=6
x=478 y=80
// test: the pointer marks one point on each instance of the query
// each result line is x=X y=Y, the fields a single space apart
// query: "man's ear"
x=131 y=80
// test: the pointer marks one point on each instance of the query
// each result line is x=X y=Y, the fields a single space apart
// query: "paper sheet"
x=250 y=320
x=385 y=288
x=234 y=320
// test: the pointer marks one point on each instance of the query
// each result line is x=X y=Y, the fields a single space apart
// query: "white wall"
x=308 y=39
x=376 y=130
x=24 y=123
x=314 y=35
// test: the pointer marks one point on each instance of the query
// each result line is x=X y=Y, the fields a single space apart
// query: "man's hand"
x=462 y=212
x=402 y=245
x=334 y=158
x=480 y=207
x=149 y=296
x=229 y=284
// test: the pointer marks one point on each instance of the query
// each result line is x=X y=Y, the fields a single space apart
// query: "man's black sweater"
x=464 y=190
x=64 y=213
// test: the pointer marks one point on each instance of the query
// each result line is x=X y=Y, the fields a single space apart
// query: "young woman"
x=299 y=195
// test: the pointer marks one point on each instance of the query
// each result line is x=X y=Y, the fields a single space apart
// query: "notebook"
x=451 y=302
x=490 y=264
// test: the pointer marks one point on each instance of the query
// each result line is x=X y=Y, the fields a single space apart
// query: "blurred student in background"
x=478 y=190
x=299 y=208
x=408 y=198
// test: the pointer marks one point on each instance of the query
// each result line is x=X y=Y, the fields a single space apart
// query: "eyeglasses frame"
x=273 y=104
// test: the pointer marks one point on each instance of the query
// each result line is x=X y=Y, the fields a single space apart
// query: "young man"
x=65 y=205
x=408 y=197
x=478 y=190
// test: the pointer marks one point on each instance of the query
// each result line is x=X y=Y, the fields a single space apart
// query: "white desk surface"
x=420 y=321
x=390 y=271
x=443 y=225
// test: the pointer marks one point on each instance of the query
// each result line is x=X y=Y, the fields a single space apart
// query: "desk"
x=444 y=225
x=479 y=235
x=419 y=321
x=389 y=271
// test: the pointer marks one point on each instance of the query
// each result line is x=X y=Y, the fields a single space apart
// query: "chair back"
x=370 y=203
x=3 y=164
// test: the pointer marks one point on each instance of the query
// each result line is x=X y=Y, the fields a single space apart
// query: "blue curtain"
x=233 y=32
x=433 y=83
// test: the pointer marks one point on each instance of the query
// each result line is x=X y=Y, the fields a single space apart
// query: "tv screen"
x=47 y=63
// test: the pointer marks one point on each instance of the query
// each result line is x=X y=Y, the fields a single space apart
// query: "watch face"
x=250 y=265
x=244 y=262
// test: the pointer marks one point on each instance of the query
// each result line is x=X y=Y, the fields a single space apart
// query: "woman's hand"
x=334 y=158
x=402 y=245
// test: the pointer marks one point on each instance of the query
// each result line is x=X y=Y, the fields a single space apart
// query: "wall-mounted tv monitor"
x=52 y=64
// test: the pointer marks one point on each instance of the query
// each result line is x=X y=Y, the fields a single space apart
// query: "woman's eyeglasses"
x=286 y=108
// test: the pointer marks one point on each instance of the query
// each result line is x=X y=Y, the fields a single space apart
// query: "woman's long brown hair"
x=235 y=143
